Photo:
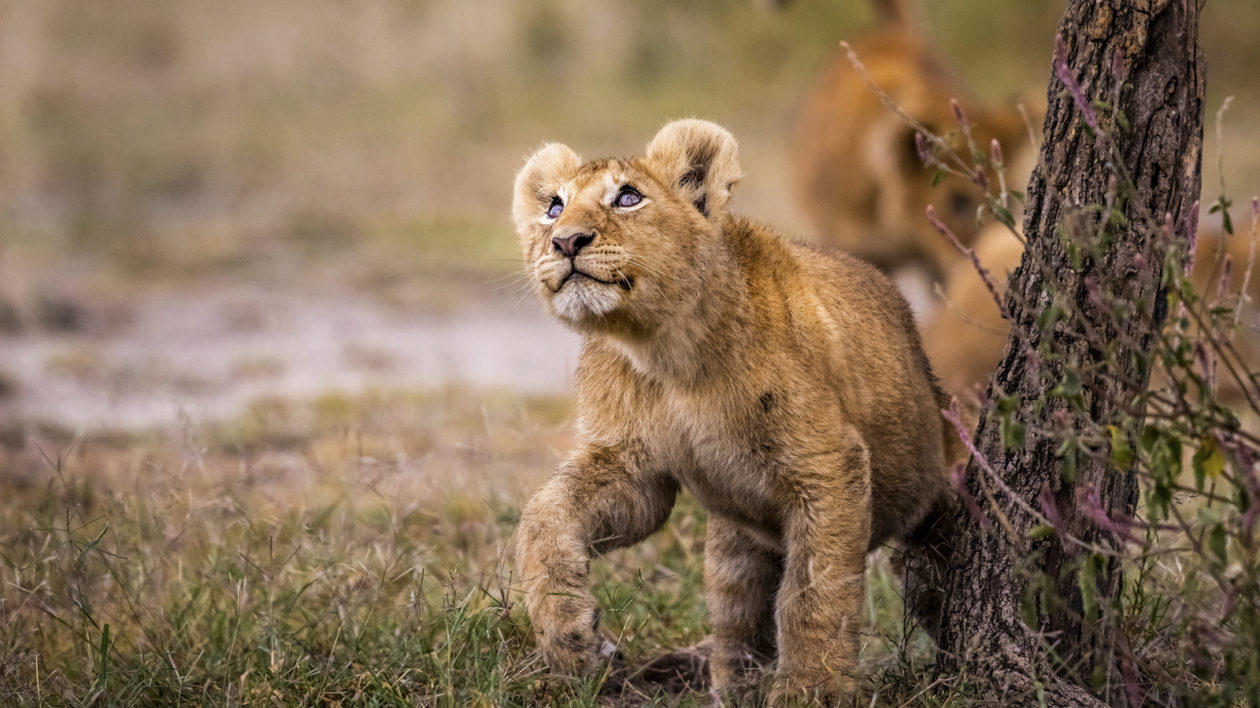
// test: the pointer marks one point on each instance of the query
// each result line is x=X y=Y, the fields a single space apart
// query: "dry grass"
x=340 y=550
x=344 y=549
x=353 y=549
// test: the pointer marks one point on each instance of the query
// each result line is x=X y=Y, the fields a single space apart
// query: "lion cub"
x=784 y=388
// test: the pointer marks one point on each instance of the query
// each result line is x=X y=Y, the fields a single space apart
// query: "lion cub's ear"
x=701 y=159
x=539 y=181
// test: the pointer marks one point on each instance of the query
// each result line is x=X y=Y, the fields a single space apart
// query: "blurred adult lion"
x=864 y=188
x=966 y=335
x=859 y=176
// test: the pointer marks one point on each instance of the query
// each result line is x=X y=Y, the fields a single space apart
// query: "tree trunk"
x=1139 y=59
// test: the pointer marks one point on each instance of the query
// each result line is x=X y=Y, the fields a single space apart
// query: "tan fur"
x=784 y=388
x=966 y=337
x=859 y=177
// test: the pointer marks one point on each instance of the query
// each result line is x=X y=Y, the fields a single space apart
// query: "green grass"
x=352 y=550
x=357 y=549
x=156 y=571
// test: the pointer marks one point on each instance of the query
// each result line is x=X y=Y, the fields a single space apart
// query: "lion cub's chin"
x=582 y=297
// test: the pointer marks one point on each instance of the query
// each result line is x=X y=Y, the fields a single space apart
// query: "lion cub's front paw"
x=572 y=648
x=824 y=689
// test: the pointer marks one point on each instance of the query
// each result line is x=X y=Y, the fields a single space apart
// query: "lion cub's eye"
x=557 y=206
x=627 y=197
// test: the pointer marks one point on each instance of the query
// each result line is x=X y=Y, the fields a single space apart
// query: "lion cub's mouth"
x=625 y=283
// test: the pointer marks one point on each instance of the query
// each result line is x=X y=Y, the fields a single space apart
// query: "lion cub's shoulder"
x=843 y=280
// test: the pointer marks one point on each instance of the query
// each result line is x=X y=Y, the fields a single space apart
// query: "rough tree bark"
x=1152 y=45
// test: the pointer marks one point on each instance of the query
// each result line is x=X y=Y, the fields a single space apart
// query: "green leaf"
x=1028 y=606
x=1087 y=580
x=1222 y=205
x=1121 y=451
x=103 y=673
x=1216 y=541
x=1007 y=404
x=1013 y=434
x=1004 y=216
x=1048 y=317
x=1208 y=461
x=1163 y=454
x=939 y=176
x=1040 y=531
x=1069 y=461
x=1208 y=516
x=1070 y=386
x=1159 y=499
x=1067 y=469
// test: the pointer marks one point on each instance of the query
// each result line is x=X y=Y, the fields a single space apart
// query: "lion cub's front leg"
x=596 y=502
x=820 y=600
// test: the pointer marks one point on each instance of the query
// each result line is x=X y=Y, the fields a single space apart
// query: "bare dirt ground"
x=206 y=352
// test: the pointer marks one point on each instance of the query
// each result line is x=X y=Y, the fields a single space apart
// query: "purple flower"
x=1119 y=69
x=921 y=146
x=959 y=114
x=1032 y=360
x=1192 y=235
x=1068 y=77
x=958 y=477
x=1222 y=285
x=944 y=230
x=1050 y=510
x=1094 y=291
x=1090 y=504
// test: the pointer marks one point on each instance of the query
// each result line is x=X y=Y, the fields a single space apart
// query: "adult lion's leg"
x=740 y=579
x=820 y=600
x=926 y=559
x=597 y=501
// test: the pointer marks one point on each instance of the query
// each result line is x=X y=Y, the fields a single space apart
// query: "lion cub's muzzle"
x=569 y=246
x=575 y=256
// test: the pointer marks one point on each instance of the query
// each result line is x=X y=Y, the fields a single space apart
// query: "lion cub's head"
x=619 y=244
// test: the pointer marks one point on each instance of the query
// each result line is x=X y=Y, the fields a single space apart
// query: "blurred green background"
x=261 y=320
x=189 y=135
x=249 y=167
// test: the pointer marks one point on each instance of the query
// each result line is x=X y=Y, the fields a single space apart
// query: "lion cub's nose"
x=571 y=244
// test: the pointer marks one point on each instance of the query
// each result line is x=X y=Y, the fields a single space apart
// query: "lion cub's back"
x=885 y=385
x=833 y=295
x=877 y=325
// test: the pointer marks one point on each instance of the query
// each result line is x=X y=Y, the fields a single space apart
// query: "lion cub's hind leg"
x=741 y=576
x=926 y=560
